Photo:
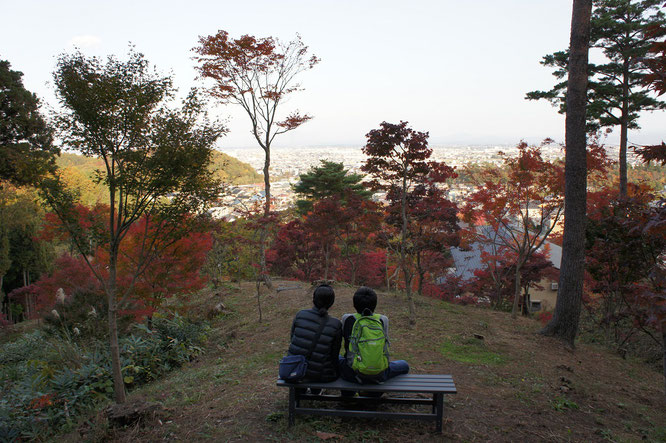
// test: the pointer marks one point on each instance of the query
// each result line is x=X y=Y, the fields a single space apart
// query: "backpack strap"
x=316 y=339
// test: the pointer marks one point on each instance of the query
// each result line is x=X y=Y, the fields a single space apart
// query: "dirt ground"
x=513 y=385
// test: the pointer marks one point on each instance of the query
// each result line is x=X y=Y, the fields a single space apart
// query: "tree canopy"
x=399 y=164
x=327 y=180
x=258 y=74
x=26 y=142
x=155 y=163
x=617 y=91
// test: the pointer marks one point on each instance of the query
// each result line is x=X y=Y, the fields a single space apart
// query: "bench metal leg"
x=292 y=405
x=439 y=400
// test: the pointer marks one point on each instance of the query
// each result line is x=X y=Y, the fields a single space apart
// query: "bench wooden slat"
x=382 y=388
x=389 y=386
x=393 y=400
x=366 y=414
x=434 y=384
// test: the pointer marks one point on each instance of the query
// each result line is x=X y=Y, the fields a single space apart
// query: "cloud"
x=85 y=41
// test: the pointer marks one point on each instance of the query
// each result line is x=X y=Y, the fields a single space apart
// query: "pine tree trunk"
x=564 y=323
x=624 y=123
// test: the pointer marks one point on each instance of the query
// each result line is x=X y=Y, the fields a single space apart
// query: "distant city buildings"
x=288 y=163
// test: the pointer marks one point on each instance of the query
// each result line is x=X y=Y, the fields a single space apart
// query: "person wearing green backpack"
x=366 y=343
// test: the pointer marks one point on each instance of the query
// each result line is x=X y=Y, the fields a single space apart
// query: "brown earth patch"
x=524 y=387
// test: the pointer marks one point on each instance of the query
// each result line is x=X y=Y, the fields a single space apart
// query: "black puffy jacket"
x=323 y=363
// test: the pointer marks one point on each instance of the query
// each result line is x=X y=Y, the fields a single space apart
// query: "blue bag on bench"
x=293 y=367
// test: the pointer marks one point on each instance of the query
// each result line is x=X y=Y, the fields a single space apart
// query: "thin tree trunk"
x=327 y=255
x=118 y=383
x=10 y=316
x=517 y=289
x=663 y=350
x=27 y=297
x=267 y=210
x=624 y=123
x=564 y=323
x=388 y=282
x=403 y=253
x=420 y=273
x=352 y=269
x=258 y=286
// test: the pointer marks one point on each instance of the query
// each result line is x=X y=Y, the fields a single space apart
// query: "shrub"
x=83 y=315
x=47 y=380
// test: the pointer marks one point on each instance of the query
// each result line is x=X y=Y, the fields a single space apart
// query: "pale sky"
x=456 y=68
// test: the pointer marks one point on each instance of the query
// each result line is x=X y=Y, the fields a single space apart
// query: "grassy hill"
x=231 y=170
x=514 y=385
x=79 y=173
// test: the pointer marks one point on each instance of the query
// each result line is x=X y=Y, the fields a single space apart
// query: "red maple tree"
x=519 y=210
x=399 y=165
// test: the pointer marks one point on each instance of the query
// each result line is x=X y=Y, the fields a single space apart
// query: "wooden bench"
x=437 y=385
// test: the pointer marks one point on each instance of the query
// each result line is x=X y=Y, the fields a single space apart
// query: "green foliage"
x=232 y=254
x=26 y=149
x=23 y=255
x=471 y=351
x=48 y=380
x=331 y=179
x=79 y=173
x=231 y=170
x=156 y=153
x=561 y=404
x=619 y=28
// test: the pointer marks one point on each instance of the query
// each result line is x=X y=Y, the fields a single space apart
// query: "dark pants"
x=397 y=367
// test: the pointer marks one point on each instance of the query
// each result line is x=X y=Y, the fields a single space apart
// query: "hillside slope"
x=514 y=385
x=79 y=173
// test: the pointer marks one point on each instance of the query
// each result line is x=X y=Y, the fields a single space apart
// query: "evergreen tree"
x=331 y=179
x=617 y=91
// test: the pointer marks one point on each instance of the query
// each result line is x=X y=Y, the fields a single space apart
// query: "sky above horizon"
x=457 y=69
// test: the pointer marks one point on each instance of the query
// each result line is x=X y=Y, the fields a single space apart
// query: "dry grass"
x=515 y=385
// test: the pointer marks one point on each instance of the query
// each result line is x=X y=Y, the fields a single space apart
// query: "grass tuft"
x=471 y=351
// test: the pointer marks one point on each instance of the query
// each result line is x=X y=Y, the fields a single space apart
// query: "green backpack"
x=368 y=345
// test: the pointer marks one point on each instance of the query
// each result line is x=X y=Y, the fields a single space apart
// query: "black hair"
x=365 y=299
x=323 y=298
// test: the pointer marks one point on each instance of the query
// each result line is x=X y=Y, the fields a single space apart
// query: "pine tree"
x=616 y=94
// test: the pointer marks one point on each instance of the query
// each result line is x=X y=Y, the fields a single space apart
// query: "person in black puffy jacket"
x=318 y=336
